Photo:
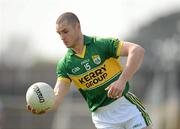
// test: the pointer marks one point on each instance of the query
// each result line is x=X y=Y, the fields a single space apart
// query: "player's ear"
x=77 y=25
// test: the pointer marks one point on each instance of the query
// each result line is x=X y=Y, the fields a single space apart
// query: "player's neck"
x=78 y=48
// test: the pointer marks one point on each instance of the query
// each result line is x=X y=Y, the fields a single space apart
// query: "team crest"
x=96 y=59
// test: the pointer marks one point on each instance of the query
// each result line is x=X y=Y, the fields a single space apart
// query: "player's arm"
x=135 y=55
x=61 y=89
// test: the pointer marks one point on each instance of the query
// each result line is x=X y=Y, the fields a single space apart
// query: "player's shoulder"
x=63 y=60
x=98 y=39
x=60 y=62
x=94 y=39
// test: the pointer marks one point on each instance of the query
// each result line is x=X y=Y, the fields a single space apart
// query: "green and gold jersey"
x=94 y=70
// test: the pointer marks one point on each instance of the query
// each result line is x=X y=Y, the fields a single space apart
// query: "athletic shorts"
x=127 y=112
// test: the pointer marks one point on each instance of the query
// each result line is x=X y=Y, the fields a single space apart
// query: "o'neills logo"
x=94 y=77
x=39 y=94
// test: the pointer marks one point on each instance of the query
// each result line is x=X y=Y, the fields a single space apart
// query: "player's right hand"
x=34 y=111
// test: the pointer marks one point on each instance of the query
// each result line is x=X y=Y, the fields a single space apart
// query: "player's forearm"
x=61 y=89
x=134 y=61
x=57 y=102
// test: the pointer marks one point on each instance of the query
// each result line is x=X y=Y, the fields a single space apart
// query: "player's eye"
x=59 y=33
x=65 y=32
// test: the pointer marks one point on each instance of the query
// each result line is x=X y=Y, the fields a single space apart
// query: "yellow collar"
x=83 y=52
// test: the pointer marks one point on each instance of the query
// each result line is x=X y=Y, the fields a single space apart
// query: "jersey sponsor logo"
x=96 y=59
x=94 y=77
x=97 y=76
x=76 y=69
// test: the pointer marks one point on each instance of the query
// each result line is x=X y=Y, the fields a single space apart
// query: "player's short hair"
x=69 y=17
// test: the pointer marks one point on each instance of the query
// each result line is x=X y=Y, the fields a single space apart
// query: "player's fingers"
x=28 y=107
x=107 y=88
x=118 y=94
x=40 y=112
x=110 y=92
x=37 y=112
x=31 y=109
x=115 y=93
x=34 y=111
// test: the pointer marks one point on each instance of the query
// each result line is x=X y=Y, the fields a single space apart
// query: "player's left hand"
x=34 y=111
x=115 y=89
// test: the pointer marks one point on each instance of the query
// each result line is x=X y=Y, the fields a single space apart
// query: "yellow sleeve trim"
x=119 y=48
x=66 y=80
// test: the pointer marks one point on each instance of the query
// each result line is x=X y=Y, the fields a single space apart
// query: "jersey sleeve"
x=111 y=46
x=61 y=72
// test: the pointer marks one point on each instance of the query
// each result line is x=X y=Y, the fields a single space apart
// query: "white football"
x=40 y=96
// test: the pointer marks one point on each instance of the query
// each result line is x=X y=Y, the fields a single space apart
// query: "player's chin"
x=67 y=46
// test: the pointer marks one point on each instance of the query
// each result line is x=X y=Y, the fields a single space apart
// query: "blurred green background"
x=30 y=49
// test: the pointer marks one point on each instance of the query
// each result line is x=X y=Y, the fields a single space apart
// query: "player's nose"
x=62 y=36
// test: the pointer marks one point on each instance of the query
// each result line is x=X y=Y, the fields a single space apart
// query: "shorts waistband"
x=111 y=105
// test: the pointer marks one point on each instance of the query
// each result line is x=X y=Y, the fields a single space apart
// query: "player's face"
x=68 y=33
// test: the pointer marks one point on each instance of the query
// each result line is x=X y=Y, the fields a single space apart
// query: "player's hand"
x=34 y=111
x=115 y=89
